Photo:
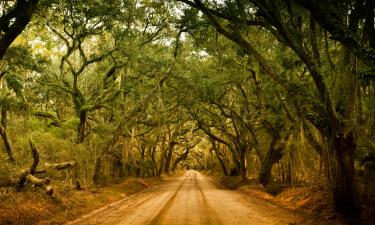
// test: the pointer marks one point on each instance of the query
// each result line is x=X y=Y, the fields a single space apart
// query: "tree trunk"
x=22 y=11
x=180 y=159
x=108 y=165
x=116 y=164
x=81 y=127
x=243 y=165
x=288 y=172
x=4 y=112
x=162 y=163
x=237 y=163
x=7 y=144
x=168 y=160
x=341 y=174
x=221 y=161
x=273 y=155
x=154 y=163
x=175 y=164
x=97 y=178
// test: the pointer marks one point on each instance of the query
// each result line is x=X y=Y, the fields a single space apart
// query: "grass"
x=33 y=206
x=312 y=201
x=310 y=198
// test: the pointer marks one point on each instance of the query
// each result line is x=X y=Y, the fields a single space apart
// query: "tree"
x=76 y=24
x=14 y=18
x=234 y=19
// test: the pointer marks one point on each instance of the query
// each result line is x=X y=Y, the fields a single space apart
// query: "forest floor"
x=312 y=202
x=197 y=199
x=32 y=206
x=310 y=199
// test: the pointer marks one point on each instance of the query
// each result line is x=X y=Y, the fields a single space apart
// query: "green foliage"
x=14 y=82
x=367 y=76
x=125 y=87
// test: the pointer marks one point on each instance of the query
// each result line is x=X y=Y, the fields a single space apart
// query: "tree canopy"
x=137 y=88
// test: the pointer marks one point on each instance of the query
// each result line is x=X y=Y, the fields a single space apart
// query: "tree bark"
x=7 y=144
x=341 y=172
x=27 y=175
x=4 y=112
x=97 y=170
x=60 y=166
x=243 y=164
x=160 y=170
x=35 y=155
x=111 y=160
x=330 y=20
x=40 y=182
x=221 y=161
x=81 y=127
x=14 y=22
x=341 y=145
x=155 y=167
x=180 y=159
x=168 y=159
x=273 y=155
x=55 y=120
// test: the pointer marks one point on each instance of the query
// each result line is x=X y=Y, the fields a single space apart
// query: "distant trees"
x=145 y=87
x=102 y=73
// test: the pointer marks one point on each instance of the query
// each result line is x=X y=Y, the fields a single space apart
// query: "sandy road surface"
x=191 y=199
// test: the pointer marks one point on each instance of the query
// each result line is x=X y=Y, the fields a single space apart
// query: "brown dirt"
x=194 y=199
x=312 y=202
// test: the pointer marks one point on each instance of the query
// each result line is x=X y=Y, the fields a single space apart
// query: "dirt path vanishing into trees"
x=191 y=199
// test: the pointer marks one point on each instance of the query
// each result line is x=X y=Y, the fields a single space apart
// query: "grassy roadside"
x=310 y=201
x=32 y=206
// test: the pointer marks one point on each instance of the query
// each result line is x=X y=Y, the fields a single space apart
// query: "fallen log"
x=37 y=181
x=35 y=154
x=40 y=171
x=55 y=166
x=40 y=183
x=27 y=176
x=21 y=179
x=60 y=166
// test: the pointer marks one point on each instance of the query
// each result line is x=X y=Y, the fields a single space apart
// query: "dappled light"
x=187 y=112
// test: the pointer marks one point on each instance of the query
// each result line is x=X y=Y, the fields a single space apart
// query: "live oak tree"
x=14 y=17
x=288 y=22
x=274 y=91
x=17 y=67
x=77 y=23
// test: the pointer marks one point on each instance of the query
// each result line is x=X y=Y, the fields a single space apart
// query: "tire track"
x=168 y=205
x=116 y=208
x=191 y=199
x=211 y=216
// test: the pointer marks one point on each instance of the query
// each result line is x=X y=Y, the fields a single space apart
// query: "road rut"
x=191 y=199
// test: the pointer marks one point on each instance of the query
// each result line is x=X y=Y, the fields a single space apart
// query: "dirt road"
x=191 y=199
